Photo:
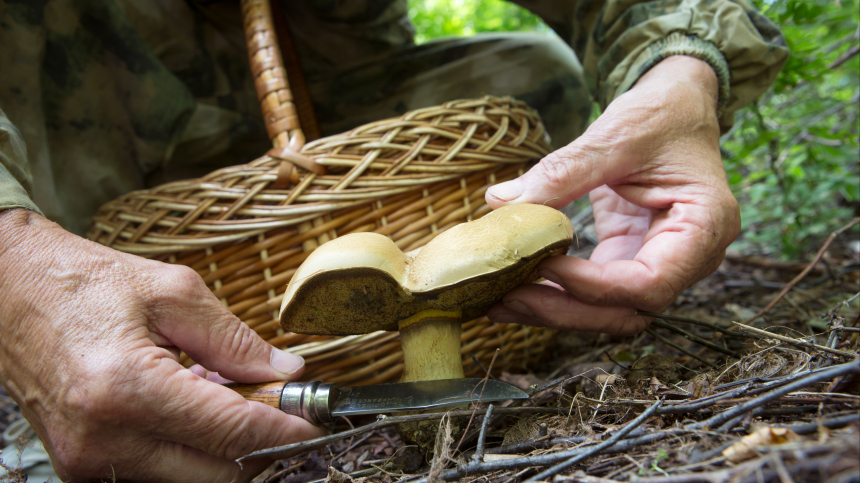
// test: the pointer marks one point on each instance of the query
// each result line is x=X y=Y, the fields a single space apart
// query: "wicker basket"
x=245 y=229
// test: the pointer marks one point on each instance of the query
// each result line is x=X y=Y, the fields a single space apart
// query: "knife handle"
x=309 y=400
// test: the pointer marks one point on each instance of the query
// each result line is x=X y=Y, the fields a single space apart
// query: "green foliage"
x=462 y=18
x=793 y=156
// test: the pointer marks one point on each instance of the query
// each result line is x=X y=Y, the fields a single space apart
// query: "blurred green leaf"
x=794 y=162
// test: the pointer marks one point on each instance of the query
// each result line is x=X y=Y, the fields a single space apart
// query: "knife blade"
x=321 y=403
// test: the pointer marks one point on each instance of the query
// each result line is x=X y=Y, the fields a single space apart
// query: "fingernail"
x=520 y=307
x=507 y=191
x=286 y=362
x=547 y=274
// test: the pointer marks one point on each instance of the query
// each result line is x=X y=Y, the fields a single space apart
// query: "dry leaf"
x=748 y=446
x=655 y=386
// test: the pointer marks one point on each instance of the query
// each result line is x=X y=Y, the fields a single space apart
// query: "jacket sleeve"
x=617 y=41
x=16 y=183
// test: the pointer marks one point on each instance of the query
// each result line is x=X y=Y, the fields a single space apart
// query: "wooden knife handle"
x=268 y=393
x=309 y=400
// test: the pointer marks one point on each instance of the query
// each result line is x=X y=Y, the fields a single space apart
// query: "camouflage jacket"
x=101 y=97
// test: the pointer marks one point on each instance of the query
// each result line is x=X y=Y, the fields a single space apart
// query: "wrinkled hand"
x=89 y=345
x=663 y=209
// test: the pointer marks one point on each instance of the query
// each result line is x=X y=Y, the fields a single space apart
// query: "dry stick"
x=709 y=325
x=732 y=473
x=541 y=460
x=731 y=423
x=472 y=417
x=850 y=367
x=556 y=457
x=620 y=447
x=600 y=447
x=770 y=382
x=704 y=402
x=805 y=271
x=479 y=451
x=519 y=402
x=677 y=347
x=796 y=342
x=384 y=423
x=696 y=339
x=844 y=58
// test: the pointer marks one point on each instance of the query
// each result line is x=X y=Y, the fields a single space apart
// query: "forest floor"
x=695 y=398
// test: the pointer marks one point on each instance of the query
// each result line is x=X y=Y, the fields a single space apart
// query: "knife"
x=320 y=402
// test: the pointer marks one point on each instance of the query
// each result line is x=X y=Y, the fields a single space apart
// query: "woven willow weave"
x=245 y=229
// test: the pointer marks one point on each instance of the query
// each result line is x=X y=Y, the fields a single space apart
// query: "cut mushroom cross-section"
x=363 y=282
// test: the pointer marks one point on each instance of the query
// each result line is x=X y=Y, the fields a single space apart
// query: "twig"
x=596 y=449
x=479 y=451
x=695 y=338
x=770 y=382
x=480 y=397
x=526 y=461
x=850 y=367
x=731 y=423
x=279 y=451
x=805 y=271
x=844 y=58
x=354 y=474
x=796 y=342
x=352 y=445
x=535 y=443
x=677 y=347
x=704 y=402
x=832 y=423
x=709 y=325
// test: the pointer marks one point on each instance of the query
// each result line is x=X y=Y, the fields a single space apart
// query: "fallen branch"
x=803 y=274
x=842 y=369
x=695 y=338
x=709 y=325
x=281 y=451
x=600 y=447
x=795 y=342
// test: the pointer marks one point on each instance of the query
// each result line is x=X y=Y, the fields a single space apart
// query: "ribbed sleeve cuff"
x=678 y=43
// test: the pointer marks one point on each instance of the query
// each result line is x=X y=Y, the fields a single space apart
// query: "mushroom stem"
x=431 y=346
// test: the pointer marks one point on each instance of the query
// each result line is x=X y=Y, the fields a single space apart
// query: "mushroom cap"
x=363 y=282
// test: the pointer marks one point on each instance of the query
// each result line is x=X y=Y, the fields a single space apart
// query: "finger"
x=542 y=305
x=118 y=454
x=169 y=462
x=650 y=282
x=176 y=462
x=210 y=376
x=187 y=314
x=183 y=408
x=559 y=178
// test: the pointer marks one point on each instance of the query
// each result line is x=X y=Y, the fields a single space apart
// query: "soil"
x=617 y=378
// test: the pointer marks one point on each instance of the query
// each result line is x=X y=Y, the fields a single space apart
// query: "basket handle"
x=279 y=106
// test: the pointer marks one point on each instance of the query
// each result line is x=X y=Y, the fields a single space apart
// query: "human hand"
x=89 y=348
x=663 y=209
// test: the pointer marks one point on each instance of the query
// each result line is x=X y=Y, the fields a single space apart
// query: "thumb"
x=559 y=178
x=200 y=325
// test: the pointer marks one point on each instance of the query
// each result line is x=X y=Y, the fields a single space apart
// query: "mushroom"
x=363 y=282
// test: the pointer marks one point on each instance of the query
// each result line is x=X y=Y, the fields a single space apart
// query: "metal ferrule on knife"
x=310 y=400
